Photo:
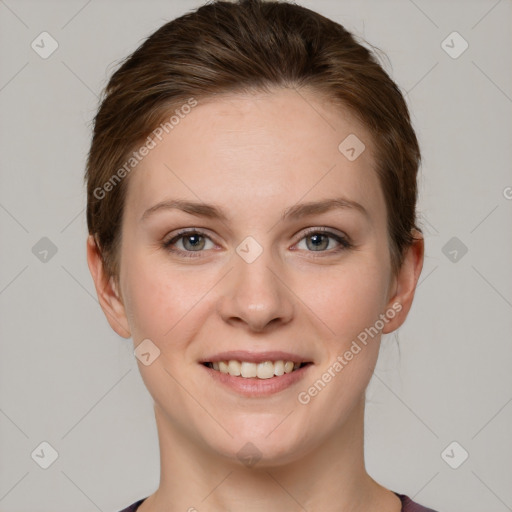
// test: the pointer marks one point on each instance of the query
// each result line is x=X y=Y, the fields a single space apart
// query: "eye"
x=320 y=240
x=190 y=241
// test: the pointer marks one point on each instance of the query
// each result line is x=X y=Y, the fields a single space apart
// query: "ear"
x=404 y=284
x=106 y=289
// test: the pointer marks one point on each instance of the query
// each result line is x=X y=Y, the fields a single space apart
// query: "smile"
x=248 y=370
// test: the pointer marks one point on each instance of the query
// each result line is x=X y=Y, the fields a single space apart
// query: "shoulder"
x=411 y=506
x=407 y=505
x=134 y=506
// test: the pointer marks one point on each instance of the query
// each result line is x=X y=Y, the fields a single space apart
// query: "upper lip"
x=255 y=357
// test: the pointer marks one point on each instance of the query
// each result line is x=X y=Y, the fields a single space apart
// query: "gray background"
x=66 y=378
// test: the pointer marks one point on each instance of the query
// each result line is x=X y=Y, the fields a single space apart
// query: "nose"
x=254 y=295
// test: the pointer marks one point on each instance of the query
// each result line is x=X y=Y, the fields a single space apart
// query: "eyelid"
x=181 y=233
x=341 y=238
x=323 y=229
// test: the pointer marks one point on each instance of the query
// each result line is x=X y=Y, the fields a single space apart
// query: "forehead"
x=259 y=148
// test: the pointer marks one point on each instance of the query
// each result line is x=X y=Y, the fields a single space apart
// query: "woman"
x=251 y=209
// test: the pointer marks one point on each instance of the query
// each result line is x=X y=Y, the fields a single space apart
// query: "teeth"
x=279 y=368
x=247 y=370
x=288 y=367
x=234 y=368
x=265 y=370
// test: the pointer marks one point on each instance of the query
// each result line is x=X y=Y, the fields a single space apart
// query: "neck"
x=192 y=479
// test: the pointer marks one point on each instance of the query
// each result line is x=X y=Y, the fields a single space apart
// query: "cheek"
x=346 y=301
x=169 y=305
x=350 y=303
x=162 y=310
x=159 y=300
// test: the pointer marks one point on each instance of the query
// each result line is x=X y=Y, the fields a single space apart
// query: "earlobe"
x=107 y=291
x=405 y=284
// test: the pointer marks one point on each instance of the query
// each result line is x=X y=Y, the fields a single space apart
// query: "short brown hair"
x=244 y=46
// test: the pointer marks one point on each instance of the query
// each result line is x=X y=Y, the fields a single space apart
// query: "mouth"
x=251 y=370
x=256 y=374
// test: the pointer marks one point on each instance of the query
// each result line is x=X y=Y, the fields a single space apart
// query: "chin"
x=262 y=443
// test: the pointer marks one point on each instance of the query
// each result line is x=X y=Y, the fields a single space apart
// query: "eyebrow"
x=297 y=211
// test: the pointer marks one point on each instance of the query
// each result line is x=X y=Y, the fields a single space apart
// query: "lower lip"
x=254 y=387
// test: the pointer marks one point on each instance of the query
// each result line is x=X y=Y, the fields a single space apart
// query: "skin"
x=255 y=155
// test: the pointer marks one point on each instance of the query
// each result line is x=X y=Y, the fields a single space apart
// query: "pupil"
x=193 y=241
x=317 y=241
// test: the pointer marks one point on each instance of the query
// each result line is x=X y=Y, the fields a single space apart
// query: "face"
x=251 y=243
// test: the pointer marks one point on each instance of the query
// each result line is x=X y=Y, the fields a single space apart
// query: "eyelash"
x=343 y=241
